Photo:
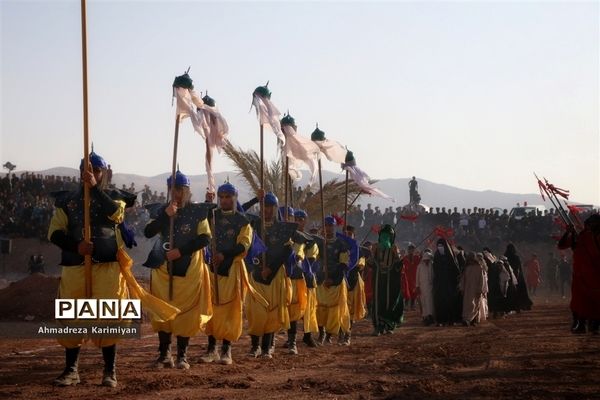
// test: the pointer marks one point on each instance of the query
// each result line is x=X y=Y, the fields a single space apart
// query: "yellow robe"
x=227 y=321
x=297 y=305
x=107 y=280
x=357 y=300
x=191 y=294
x=310 y=314
x=332 y=308
x=274 y=317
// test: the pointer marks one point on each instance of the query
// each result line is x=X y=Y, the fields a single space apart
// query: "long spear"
x=356 y=198
x=86 y=154
x=267 y=113
x=172 y=218
x=558 y=207
x=320 y=135
x=285 y=185
x=349 y=161
x=346 y=204
x=262 y=189
x=213 y=250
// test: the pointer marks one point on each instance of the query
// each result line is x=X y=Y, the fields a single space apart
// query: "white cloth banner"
x=208 y=123
x=268 y=114
x=361 y=178
x=333 y=150
x=300 y=150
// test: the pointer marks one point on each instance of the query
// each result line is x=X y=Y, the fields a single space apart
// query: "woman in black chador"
x=522 y=300
x=446 y=296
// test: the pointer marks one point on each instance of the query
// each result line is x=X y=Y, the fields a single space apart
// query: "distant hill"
x=432 y=194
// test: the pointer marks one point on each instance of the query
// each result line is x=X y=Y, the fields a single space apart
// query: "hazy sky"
x=472 y=94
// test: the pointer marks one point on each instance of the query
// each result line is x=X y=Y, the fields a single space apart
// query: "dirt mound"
x=32 y=296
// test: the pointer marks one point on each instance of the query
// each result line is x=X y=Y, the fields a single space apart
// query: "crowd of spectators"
x=474 y=227
x=26 y=207
x=26 y=204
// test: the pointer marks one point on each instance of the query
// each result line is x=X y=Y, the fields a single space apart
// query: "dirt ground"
x=528 y=355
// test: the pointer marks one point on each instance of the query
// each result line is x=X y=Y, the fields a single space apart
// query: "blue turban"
x=227 y=188
x=300 y=214
x=271 y=199
x=290 y=212
x=180 y=179
x=96 y=160
x=329 y=220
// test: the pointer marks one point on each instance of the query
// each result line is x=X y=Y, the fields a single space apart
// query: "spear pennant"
x=267 y=114
x=319 y=136
x=298 y=150
x=86 y=154
x=181 y=84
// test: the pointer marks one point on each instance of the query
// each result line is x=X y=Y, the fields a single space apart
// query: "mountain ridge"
x=432 y=194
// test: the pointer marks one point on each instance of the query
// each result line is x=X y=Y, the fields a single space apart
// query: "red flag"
x=338 y=220
x=557 y=191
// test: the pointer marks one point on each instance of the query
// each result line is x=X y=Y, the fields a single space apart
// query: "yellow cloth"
x=299 y=298
x=357 y=301
x=310 y=314
x=274 y=317
x=227 y=321
x=191 y=294
x=160 y=310
x=299 y=250
x=332 y=308
x=312 y=252
x=297 y=305
x=60 y=221
x=107 y=281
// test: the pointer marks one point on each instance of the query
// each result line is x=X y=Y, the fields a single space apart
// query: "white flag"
x=268 y=114
x=208 y=123
x=333 y=150
x=300 y=150
x=361 y=178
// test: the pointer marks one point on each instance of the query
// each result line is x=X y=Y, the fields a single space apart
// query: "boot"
x=265 y=345
x=309 y=340
x=321 y=338
x=109 y=354
x=272 y=347
x=255 y=349
x=165 y=359
x=226 y=353
x=328 y=338
x=345 y=339
x=211 y=353
x=70 y=375
x=292 y=348
x=182 y=345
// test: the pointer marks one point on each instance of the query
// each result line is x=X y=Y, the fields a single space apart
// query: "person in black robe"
x=446 y=296
x=523 y=302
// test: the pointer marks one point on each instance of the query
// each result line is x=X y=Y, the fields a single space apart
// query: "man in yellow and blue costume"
x=107 y=211
x=191 y=291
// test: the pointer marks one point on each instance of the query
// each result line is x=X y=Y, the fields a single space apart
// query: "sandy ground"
x=529 y=355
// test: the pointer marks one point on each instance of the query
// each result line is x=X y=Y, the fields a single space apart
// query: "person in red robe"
x=409 y=277
x=585 y=286
x=533 y=273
